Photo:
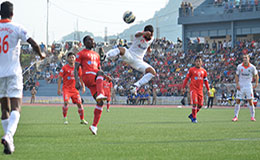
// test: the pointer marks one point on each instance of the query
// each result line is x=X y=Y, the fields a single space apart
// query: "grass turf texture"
x=136 y=133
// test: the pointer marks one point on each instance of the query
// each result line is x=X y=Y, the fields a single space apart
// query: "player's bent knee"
x=150 y=70
x=122 y=50
x=100 y=73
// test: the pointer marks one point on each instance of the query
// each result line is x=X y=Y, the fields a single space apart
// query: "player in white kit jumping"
x=11 y=79
x=244 y=75
x=135 y=54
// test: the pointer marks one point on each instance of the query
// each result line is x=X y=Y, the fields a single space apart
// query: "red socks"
x=108 y=105
x=65 y=111
x=81 y=113
x=97 y=115
x=99 y=82
x=194 y=111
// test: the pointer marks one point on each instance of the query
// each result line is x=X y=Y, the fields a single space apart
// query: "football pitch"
x=136 y=133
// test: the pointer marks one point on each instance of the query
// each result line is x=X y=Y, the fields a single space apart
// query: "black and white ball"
x=129 y=17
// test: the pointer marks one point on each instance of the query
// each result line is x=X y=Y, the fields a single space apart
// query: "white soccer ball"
x=129 y=17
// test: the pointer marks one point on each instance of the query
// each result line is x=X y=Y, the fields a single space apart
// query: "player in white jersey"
x=135 y=54
x=11 y=80
x=244 y=76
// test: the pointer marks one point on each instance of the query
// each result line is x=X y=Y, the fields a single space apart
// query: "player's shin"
x=145 y=79
x=97 y=114
x=252 y=110
x=13 y=122
x=113 y=53
x=194 y=111
x=99 y=82
x=237 y=108
x=65 y=110
x=81 y=113
x=5 y=124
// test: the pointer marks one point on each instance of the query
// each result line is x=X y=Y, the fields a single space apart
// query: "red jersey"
x=67 y=74
x=197 y=76
x=89 y=60
x=107 y=87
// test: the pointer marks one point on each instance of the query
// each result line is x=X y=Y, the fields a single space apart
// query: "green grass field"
x=136 y=133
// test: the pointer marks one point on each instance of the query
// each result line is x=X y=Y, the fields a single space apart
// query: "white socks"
x=5 y=124
x=237 y=108
x=146 y=78
x=13 y=122
x=113 y=53
x=252 y=110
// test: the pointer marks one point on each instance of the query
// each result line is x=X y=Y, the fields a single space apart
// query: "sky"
x=66 y=16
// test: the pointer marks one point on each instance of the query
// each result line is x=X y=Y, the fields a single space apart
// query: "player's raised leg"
x=149 y=74
x=115 y=52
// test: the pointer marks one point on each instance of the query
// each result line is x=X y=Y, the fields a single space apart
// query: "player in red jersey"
x=198 y=75
x=68 y=88
x=92 y=77
x=107 y=88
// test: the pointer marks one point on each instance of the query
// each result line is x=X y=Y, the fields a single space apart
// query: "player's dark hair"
x=71 y=53
x=6 y=10
x=198 y=57
x=148 y=28
x=85 y=38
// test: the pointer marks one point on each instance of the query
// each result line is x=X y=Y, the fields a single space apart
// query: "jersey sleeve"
x=23 y=35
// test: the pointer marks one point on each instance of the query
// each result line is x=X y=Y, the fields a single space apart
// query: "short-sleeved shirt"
x=10 y=34
x=197 y=76
x=246 y=74
x=89 y=60
x=67 y=73
x=212 y=92
x=139 y=47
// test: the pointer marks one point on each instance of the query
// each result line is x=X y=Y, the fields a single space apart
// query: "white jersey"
x=139 y=47
x=245 y=75
x=10 y=34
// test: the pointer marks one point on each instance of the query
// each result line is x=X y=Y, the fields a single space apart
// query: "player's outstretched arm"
x=36 y=48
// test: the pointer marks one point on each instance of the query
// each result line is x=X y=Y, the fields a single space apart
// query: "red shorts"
x=108 y=95
x=90 y=82
x=196 y=98
x=74 y=95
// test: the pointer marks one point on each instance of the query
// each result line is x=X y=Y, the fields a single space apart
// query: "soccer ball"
x=129 y=17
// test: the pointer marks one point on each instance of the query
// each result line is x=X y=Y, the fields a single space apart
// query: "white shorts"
x=11 y=86
x=134 y=62
x=245 y=93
